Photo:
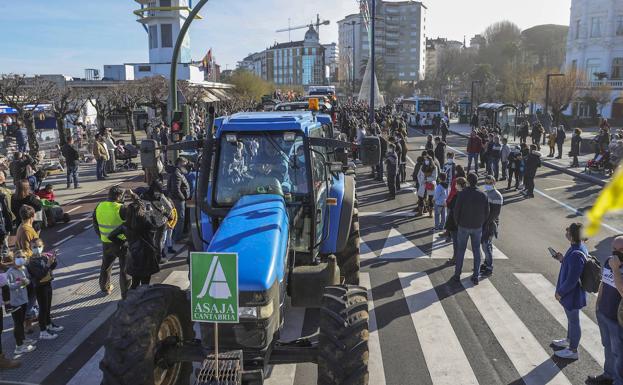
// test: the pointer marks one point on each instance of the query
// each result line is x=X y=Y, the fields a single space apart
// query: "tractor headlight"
x=257 y=312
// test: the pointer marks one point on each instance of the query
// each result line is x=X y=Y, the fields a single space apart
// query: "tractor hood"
x=257 y=229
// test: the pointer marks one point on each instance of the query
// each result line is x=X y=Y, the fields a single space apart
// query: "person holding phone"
x=569 y=292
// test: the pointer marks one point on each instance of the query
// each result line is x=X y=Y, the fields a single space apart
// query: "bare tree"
x=25 y=95
x=66 y=101
x=562 y=91
x=129 y=97
x=195 y=98
x=105 y=104
x=156 y=91
x=600 y=96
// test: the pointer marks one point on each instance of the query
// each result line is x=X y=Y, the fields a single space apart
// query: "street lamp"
x=549 y=121
x=373 y=59
x=471 y=105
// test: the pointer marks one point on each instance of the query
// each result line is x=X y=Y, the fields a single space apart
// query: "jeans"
x=611 y=340
x=494 y=167
x=440 y=216
x=455 y=243
x=487 y=248
x=99 y=168
x=504 y=169
x=72 y=175
x=463 y=235
x=528 y=182
x=574 y=332
x=178 y=231
x=471 y=157
x=22 y=147
x=111 y=252
x=559 y=145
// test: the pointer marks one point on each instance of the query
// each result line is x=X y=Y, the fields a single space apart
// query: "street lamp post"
x=373 y=59
x=471 y=105
x=546 y=112
x=353 y=23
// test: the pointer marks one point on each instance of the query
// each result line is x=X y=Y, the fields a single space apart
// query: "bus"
x=426 y=107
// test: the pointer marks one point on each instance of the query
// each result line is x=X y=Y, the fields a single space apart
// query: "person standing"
x=514 y=168
x=110 y=146
x=471 y=211
x=179 y=192
x=439 y=199
x=533 y=162
x=5 y=362
x=100 y=152
x=569 y=291
x=537 y=132
x=427 y=177
x=400 y=139
x=474 y=122
x=491 y=226
x=608 y=301
x=429 y=143
x=524 y=132
x=551 y=142
x=18 y=280
x=21 y=136
x=391 y=162
x=561 y=135
x=494 y=153
x=72 y=160
x=108 y=216
x=440 y=151
x=26 y=232
x=504 y=153
x=444 y=130
x=576 y=141
x=23 y=196
x=474 y=146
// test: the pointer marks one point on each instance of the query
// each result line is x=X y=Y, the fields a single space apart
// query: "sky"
x=67 y=36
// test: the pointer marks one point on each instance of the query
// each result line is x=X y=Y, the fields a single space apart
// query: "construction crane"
x=317 y=25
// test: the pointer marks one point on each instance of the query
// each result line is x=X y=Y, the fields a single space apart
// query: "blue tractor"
x=273 y=188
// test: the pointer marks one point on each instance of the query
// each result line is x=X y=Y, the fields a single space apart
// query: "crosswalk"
x=445 y=347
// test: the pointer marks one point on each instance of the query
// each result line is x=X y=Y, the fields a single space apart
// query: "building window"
x=144 y=68
x=165 y=3
x=153 y=36
x=578 y=25
x=619 y=30
x=617 y=68
x=595 y=26
x=593 y=66
x=166 y=30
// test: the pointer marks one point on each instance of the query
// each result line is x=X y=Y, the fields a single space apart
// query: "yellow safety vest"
x=108 y=219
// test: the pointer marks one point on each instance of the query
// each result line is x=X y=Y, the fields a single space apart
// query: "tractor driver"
x=270 y=162
x=298 y=172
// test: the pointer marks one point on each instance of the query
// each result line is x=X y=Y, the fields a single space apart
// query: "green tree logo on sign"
x=214 y=287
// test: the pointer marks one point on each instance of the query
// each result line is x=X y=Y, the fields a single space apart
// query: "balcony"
x=614 y=84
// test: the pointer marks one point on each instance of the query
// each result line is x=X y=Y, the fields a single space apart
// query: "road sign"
x=214 y=287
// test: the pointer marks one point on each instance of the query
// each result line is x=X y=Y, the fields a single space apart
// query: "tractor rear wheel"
x=348 y=259
x=147 y=316
x=343 y=341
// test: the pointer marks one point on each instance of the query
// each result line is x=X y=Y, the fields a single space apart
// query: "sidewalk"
x=563 y=165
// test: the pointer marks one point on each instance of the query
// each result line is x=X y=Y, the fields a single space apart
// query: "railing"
x=600 y=83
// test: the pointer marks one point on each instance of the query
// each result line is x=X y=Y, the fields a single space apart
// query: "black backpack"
x=591 y=274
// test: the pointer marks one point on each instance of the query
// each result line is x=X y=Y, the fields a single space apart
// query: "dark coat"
x=576 y=140
x=440 y=152
x=471 y=209
x=72 y=156
x=16 y=204
x=140 y=231
x=533 y=162
x=178 y=186
x=560 y=136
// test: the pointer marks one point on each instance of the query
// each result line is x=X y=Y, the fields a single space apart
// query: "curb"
x=551 y=165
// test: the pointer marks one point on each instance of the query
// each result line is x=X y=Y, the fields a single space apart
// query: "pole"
x=546 y=112
x=353 y=73
x=372 y=59
x=172 y=105
x=216 y=350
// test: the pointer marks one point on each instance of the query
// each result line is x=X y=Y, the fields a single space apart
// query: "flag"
x=610 y=199
x=207 y=59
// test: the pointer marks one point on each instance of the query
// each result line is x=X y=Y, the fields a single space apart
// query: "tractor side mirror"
x=370 y=151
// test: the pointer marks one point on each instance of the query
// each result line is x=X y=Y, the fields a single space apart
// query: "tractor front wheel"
x=147 y=316
x=348 y=259
x=343 y=341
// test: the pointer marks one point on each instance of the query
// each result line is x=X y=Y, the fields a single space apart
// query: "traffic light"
x=177 y=126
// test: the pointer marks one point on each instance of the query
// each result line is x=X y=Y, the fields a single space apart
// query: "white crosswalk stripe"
x=398 y=247
x=442 y=350
x=532 y=362
x=543 y=291
x=442 y=249
x=375 y=363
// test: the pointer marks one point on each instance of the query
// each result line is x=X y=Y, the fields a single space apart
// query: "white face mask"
x=20 y=261
x=37 y=250
x=450 y=160
x=427 y=163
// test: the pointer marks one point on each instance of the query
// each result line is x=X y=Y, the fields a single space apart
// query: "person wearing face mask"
x=490 y=228
x=451 y=225
x=505 y=151
x=449 y=167
x=5 y=362
x=179 y=192
x=569 y=291
x=391 y=163
x=427 y=177
x=18 y=280
x=608 y=312
x=40 y=267
x=26 y=232
x=160 y=209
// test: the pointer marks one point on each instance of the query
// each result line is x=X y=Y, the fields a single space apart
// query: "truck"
x=273 y=187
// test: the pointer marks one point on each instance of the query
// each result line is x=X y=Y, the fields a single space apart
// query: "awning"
x=209 y=97
x=220 y=93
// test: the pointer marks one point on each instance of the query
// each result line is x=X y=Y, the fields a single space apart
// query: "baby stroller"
x=125 y=153
x=602 y=163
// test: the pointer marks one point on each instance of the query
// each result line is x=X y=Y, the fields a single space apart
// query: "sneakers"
x=601 y=379
x=47 y=335
x=24 y=348
x=474 y=280
x=566 y=354
x=55 y=328
x=562 y=343
x=30 y=341
x=109 y=289
x=7 y=363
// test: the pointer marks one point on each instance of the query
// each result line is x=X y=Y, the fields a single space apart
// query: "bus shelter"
x=502 y=115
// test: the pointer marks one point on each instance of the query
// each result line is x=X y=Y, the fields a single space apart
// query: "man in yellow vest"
x=108 y=216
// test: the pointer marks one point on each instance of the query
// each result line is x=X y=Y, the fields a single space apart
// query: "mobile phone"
x=553 y=252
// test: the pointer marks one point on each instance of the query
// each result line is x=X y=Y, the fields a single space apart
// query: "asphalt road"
x=427 y=330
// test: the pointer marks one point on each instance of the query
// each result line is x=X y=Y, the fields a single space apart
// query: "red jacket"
x=45 y=195
x=474 y=145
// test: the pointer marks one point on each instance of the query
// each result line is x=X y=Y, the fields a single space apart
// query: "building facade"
x=595 y=50
x=400 y=41
x=255 y=63
x=434 y=49
x=331 y=61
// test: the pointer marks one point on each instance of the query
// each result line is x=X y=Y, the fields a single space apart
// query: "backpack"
x=591 y=274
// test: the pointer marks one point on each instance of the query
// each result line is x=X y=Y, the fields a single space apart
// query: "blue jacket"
x=568 y=286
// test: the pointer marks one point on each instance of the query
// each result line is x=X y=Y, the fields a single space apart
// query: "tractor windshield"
x=261 y=163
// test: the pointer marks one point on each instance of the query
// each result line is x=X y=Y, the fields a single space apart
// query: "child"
x=551 y=142
x=17 y=277
x=53 y=210
x=427 y=177
x=440 y=197
x=40 y=267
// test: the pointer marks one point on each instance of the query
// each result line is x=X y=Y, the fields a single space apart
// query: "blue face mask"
x=301 y=158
